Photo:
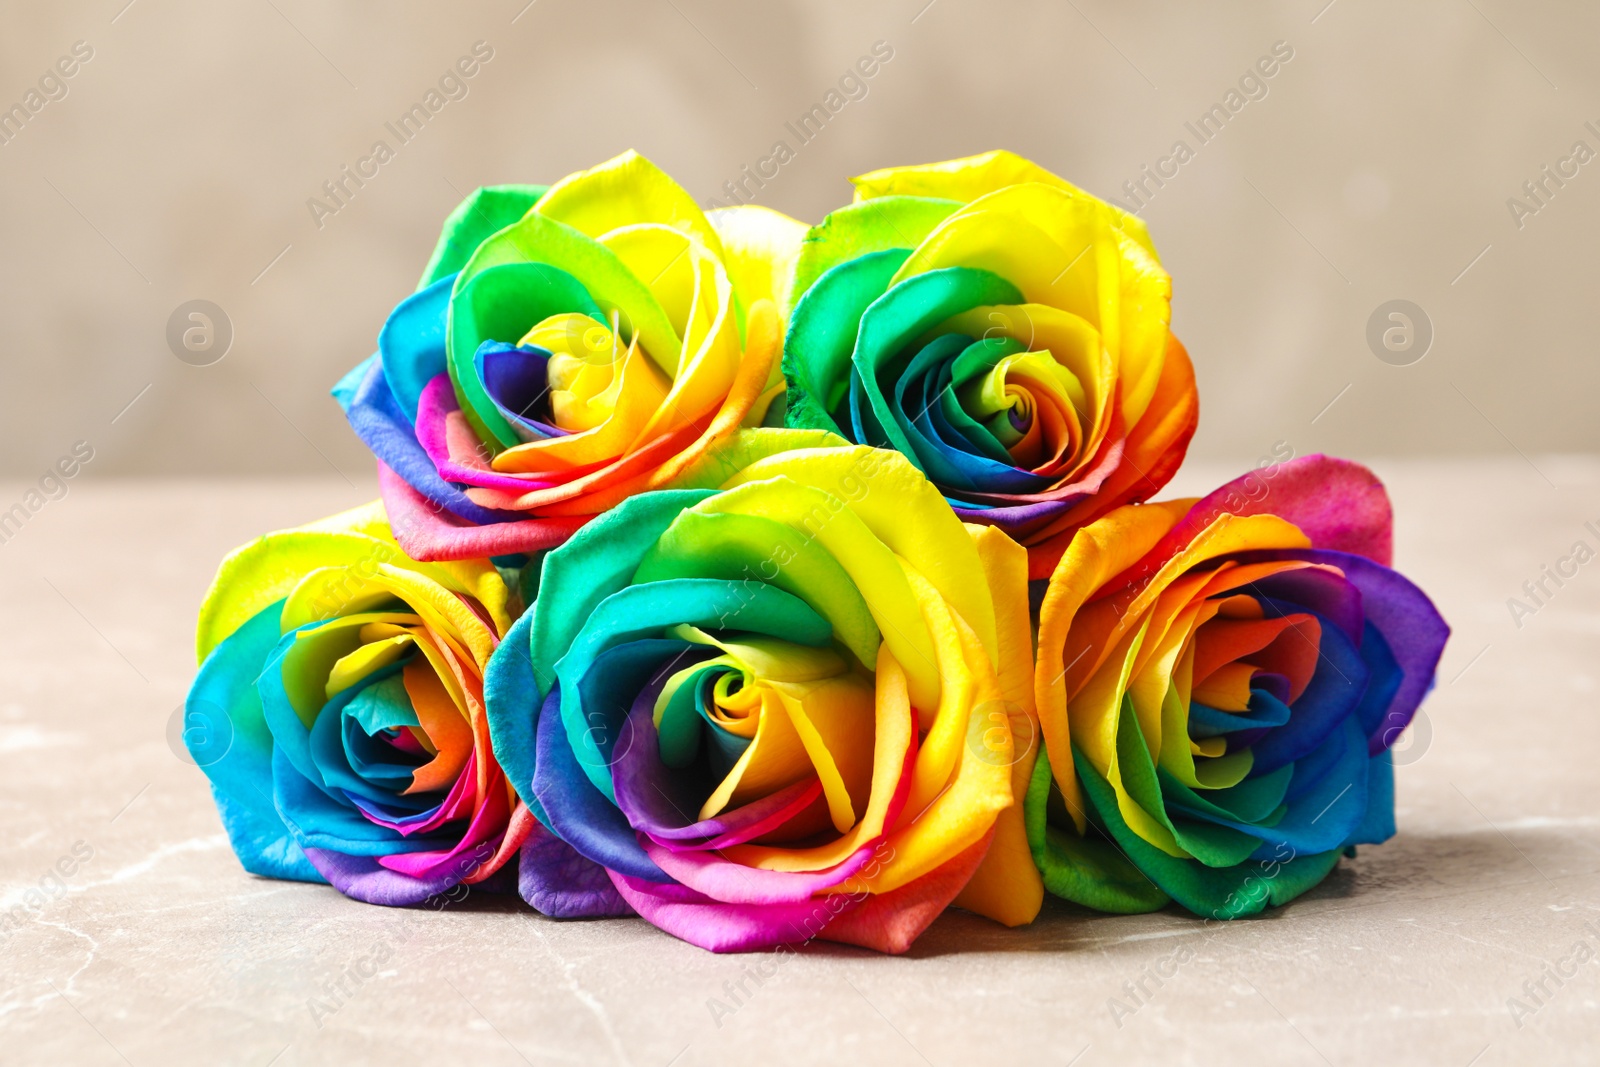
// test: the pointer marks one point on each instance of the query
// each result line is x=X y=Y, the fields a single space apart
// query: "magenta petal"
x=719 y=927
x=1338 y=504
x=744 y=823
x=434 y=408
x=477 y=846
x=734 y=883
x=457 y=803
x=891 y=921
x=438 y=400
x=430 y=535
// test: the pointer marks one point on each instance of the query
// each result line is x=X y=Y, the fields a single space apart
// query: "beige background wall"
x=1377 y=166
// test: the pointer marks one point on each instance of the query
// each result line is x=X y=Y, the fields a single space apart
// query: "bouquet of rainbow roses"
x=778 y=583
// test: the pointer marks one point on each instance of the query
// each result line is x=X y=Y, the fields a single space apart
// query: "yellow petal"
x=1007 y=887
x=759 y=247
x=624 y=190
x=974 y=176
x=1097 y=553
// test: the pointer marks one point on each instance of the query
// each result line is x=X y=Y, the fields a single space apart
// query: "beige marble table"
x=158 y=949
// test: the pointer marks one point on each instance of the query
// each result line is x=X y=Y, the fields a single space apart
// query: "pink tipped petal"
x=430 y=535
x=742 y=824
x=890 y=922
x=718 y=927
x=521 y=824
x=734 y=883
x=453 y=447
x=457 y=803
x=479 y=845
x=1338 y=504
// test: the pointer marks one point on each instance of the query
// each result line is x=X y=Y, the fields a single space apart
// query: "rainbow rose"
x=795 y=704
x=339 y=712
x=567 y=348
x=1005 y=331
x=1219 y=682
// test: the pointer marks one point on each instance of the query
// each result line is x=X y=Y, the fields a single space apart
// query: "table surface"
x=162 y=950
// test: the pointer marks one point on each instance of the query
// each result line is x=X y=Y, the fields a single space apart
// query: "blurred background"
x=1426 y=153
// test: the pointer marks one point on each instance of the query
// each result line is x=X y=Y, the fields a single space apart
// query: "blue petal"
x=383 y=427
x=579 y=813
x=1266 y=710
x=517 y=378
x=227 y=734
x=1377 y=825
x=411 y=343
x=511 y=698
x=1331 y=696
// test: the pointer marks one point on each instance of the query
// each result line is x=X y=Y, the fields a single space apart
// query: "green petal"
x=1208 y=843
x=488 y=209
x=503 y=303
x=727 y=458
x=608 y=281
x=907 y=312
x=269 y=568
x=1085 y=870
x=822 y=334
x=742 y=548
x=873 y=226
x=599 y=560
x=1215 y=892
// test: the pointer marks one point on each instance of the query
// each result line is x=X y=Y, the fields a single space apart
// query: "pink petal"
x=430 y=534
x=734 y=883
x=719 y=927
